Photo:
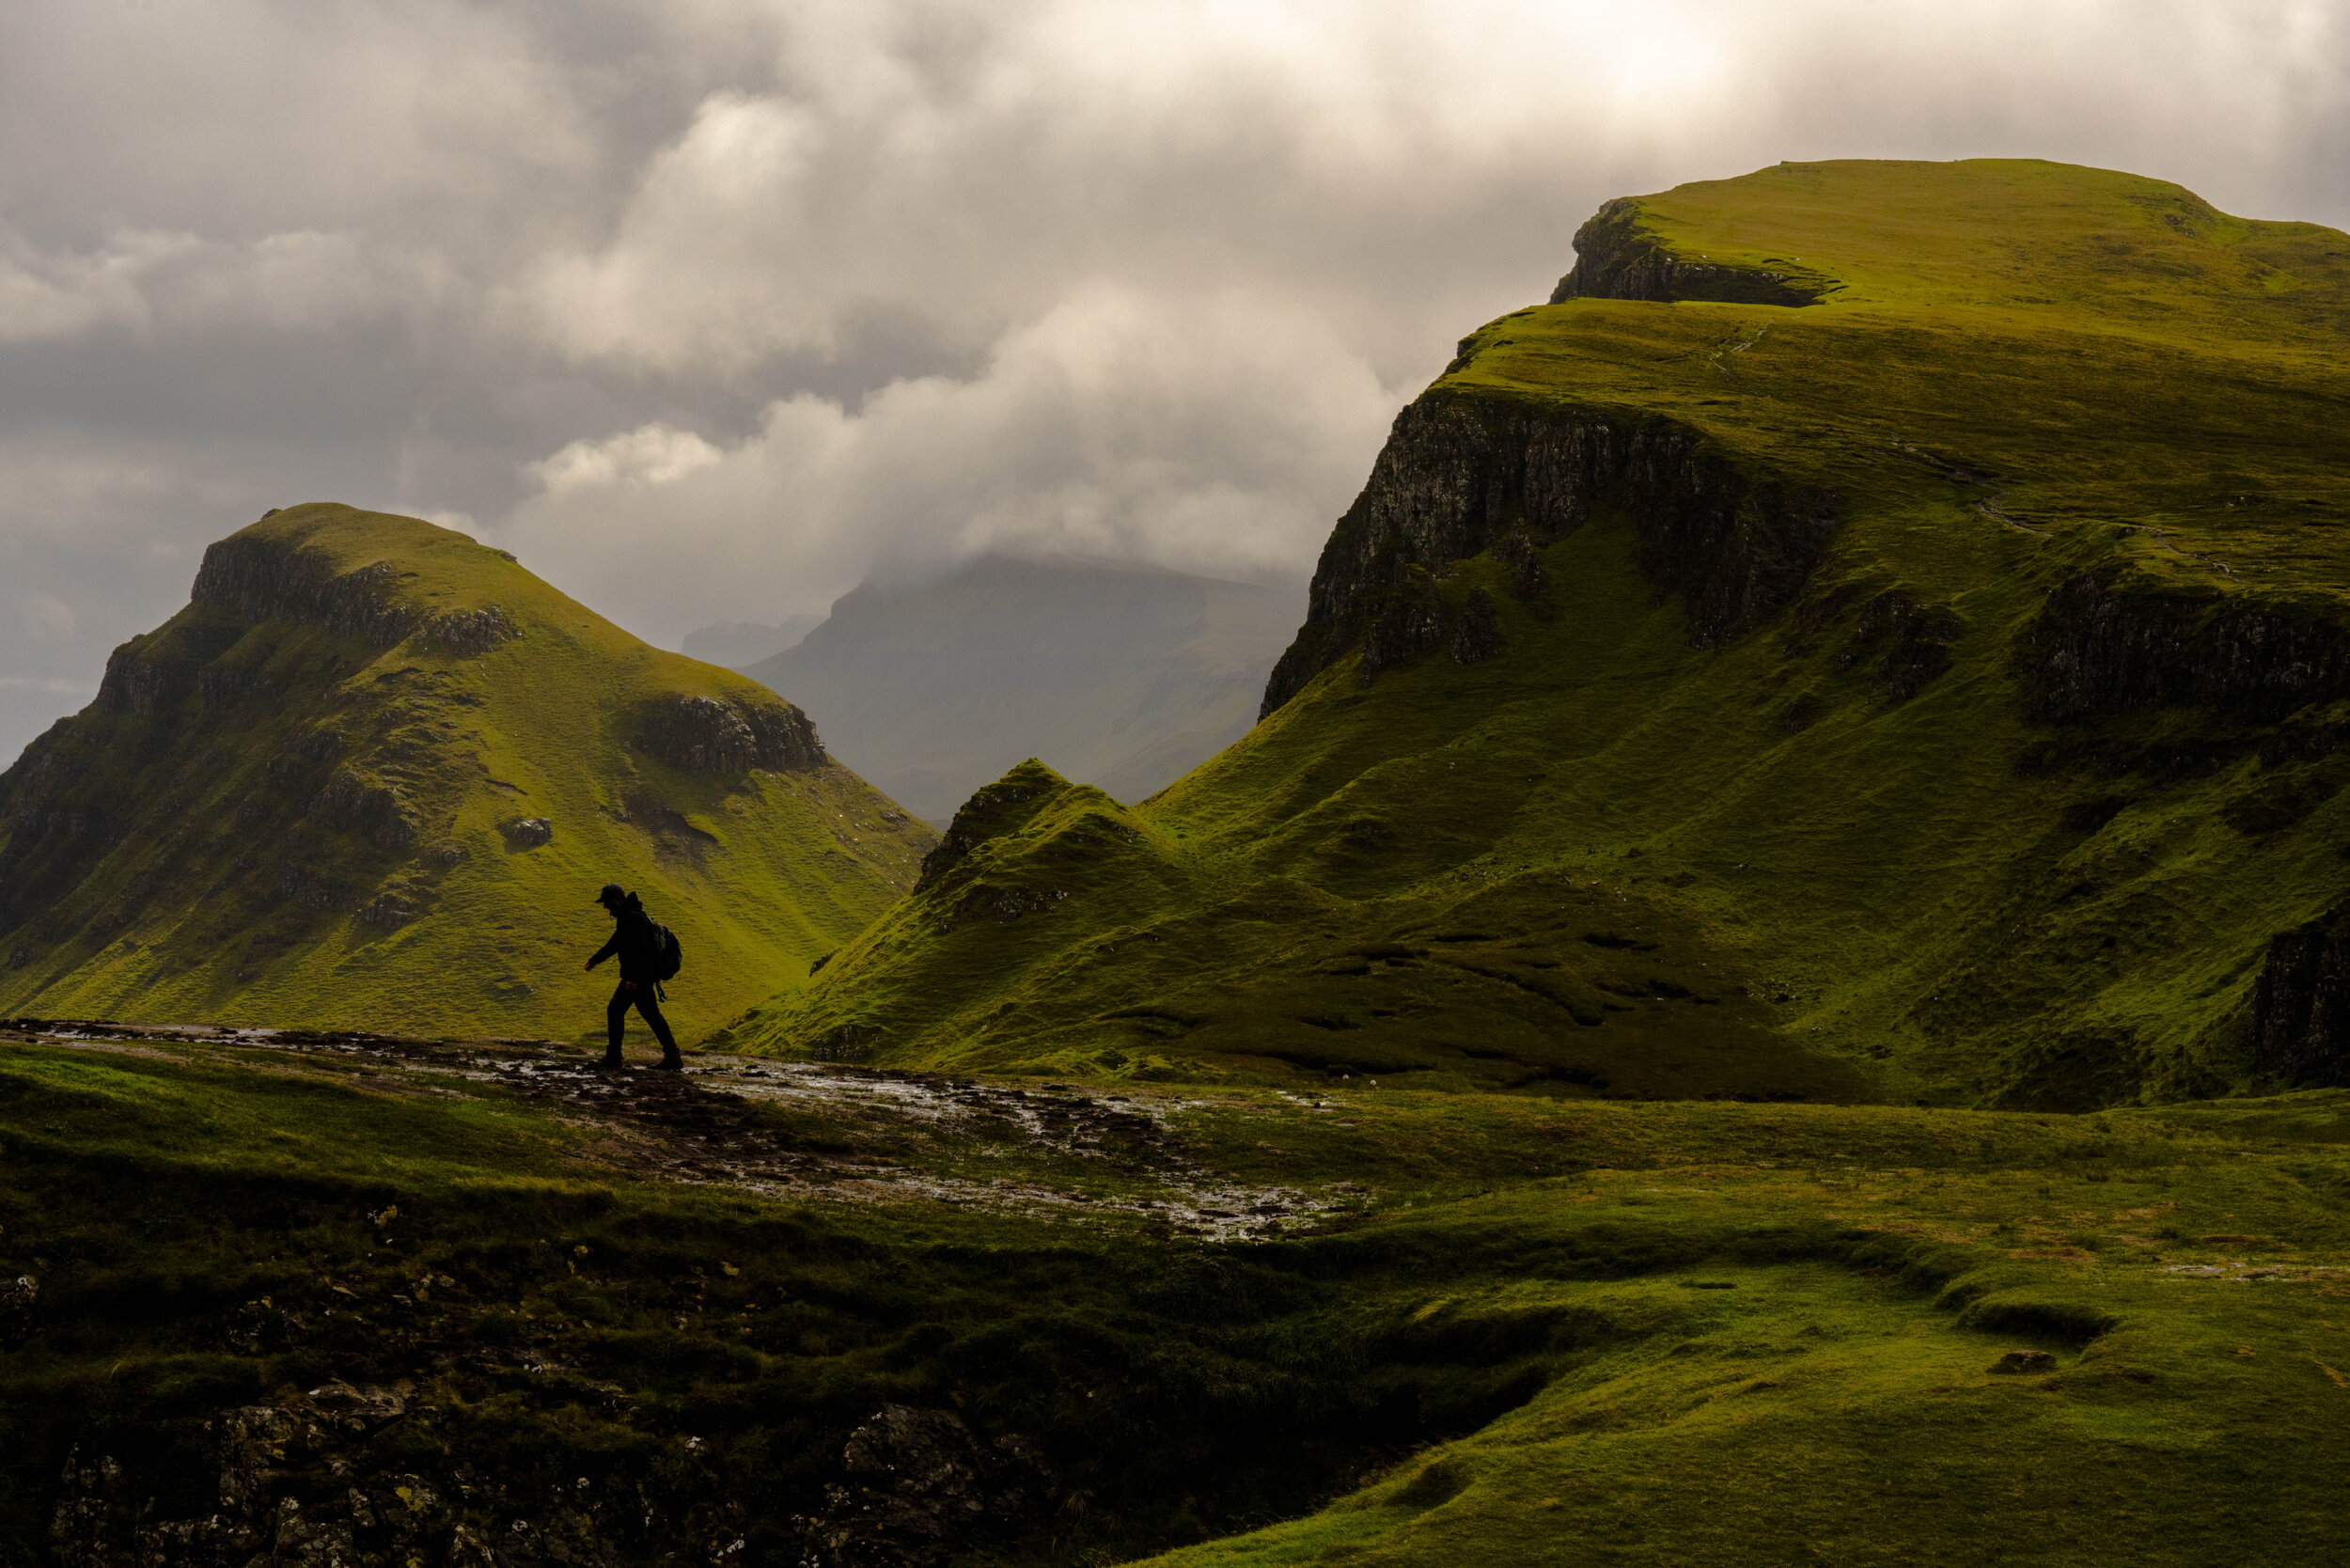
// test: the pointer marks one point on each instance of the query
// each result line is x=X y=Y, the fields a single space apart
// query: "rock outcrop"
x=1003 y=807
x=2300 y=1025
x=258 y=579
x=2102 y=646
x=295 y=1486
x=703 y=734
x=1462 y=475
x=1615 y=258
x=922 y=1488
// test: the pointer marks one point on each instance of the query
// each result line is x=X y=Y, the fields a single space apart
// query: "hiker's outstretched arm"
x=607 y=950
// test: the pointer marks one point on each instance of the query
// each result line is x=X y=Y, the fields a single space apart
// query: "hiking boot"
x=671 y=1063
x=611 y=1062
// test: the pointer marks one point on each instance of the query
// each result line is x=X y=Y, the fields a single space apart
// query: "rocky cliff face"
x=2301 y=1024
x=1462 y=475
x=1615 y=258
x=2101 y=648
x=258 y=579
x=703 y=734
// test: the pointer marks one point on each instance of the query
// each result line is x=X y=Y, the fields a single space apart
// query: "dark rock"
x=1007 y=904
x=296 y=1485
x=141 y=686
x=529 y=832
x=1003 y=807
x=471 y=632
x=1615 y=258
x=1463 y=474
x=1476 y=635
x=266 y=579
x=703 y=734
x=354 y=803
x=1908 y=643
x=1529 y=579
x=922 y=1488
x=2025 y=1361
x=1407 y=627
x=2301 y=1024
x=2103 y=645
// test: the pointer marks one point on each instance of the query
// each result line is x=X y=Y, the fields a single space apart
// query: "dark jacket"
x=632 y=944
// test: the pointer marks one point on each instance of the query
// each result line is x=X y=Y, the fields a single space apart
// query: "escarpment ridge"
x=364 y=777
x=1923 y=688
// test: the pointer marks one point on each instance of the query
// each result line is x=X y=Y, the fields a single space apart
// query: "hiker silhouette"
x=636 y=942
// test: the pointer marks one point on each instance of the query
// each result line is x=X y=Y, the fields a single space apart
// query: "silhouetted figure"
x=637 y=947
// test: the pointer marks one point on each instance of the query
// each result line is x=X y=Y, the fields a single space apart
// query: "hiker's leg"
x=615 y=1025
x=650 y=1010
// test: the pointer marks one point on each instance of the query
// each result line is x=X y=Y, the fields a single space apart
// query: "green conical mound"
x=1880 y=634
x=373 y=776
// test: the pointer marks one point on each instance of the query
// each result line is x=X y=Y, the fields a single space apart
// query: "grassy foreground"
x=1520 y=1330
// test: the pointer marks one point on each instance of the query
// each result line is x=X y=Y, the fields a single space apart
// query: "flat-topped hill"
x=376 y=772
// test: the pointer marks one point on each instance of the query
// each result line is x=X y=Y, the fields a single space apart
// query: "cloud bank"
x=708 y=309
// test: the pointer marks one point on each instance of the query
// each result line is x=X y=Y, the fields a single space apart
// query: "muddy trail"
x=803 y=1131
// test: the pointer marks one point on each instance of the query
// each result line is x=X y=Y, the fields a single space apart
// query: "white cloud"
x=653 y=454
x=1194 y=432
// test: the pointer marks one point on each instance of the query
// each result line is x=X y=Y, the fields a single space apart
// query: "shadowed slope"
x=374 y=773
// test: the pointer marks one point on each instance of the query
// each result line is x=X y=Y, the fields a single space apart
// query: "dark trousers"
x=642 y=999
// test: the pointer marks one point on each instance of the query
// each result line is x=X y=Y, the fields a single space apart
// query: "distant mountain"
x=373 y=775
x=1117 y=677
x=736 y=643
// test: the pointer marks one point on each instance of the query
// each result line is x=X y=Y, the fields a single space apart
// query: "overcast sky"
x=706 y=307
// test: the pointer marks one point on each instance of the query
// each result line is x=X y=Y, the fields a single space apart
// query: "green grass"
x=325 y=847
x=1809 y=872
x=1585 y=1333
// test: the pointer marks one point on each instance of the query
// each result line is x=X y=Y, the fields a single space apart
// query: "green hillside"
x=1878 y=634
x=373 y=775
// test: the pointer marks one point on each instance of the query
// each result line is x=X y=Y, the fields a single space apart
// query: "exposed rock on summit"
x=1616 y=258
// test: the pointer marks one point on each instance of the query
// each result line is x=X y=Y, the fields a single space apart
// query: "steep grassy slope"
x=309 y=1303
x=374 y=774
x=1119 y=676
x=1897 y=650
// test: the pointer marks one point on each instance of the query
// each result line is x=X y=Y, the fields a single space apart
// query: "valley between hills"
x=1767 y=987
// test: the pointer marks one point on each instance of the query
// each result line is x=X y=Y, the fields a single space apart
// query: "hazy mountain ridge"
x=736 y=643
x=1121 y=677
x=375 y=771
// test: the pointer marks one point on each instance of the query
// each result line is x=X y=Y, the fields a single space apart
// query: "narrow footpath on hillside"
x=807 y=1131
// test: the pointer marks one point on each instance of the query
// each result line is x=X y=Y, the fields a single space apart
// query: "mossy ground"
x=1535 y=1331
x=1807 y=863
x=316 y=837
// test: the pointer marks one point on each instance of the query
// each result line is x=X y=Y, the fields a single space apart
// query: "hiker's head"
x=612 y=897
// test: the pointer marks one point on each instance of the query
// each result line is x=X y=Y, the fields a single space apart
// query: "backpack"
x=667 y=957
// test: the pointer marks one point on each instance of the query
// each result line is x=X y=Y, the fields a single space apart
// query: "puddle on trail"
x=704 y=1125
